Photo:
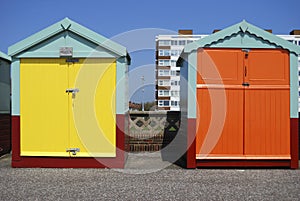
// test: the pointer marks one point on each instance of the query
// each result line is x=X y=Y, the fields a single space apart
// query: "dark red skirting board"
x=62 y=162
x=191 y=143
x=5 y=134
x=294 y=126
x=15 y=138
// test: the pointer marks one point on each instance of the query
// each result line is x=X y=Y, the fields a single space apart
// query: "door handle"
x=73 y=91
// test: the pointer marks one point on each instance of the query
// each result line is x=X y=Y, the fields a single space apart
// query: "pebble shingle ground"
x=168 y=182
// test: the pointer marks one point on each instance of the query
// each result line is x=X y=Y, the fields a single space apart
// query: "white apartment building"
x=168 y=49
x=296 y=40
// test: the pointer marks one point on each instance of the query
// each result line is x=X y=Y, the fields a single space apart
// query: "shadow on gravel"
x=5 y=161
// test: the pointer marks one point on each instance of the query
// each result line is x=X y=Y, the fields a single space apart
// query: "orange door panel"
x=267 y=111
x=220 y=101
x=267 y=67
x=267 y=131
x=254 y=120
x=220 y=66
x=220 y=133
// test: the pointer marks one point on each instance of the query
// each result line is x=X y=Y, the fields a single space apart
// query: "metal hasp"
x=246 y=52
x=73 y=151
x=72 y=60
x=73 y=91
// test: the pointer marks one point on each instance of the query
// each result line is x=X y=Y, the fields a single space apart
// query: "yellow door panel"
x=92 y=114
x=53 y=121
x=44 y=124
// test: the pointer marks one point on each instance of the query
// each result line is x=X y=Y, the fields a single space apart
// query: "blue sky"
x=135 y=23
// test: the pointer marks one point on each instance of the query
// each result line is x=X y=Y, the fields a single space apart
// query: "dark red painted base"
x=191 y=142
x=56 y=162
x=294 y=126
x=71 y=162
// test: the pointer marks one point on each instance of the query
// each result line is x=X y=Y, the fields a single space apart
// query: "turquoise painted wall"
x=15 y=87
x=192 y=84
x=122 y=100
x=294 y=84
x=4 y=86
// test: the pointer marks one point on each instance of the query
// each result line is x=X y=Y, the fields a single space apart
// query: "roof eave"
x=66 y=24
x=5 y=57
x=242 y=27
x=36 y=38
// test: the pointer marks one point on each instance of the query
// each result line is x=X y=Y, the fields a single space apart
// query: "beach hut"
x=239 y=99
x=5 y=134
x=68 y=99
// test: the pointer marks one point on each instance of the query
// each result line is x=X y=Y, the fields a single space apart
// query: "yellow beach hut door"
x=68 y=107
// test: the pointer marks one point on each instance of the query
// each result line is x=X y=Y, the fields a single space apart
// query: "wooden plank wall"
x=5 y=134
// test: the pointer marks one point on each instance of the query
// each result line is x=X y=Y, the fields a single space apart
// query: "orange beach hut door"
x=61 y=105
x=243 y=98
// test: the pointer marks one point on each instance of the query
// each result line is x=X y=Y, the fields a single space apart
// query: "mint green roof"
x=243 y=28
x=4 y=56
x=67 y=25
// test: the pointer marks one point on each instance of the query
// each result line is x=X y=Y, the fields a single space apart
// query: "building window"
x=175 y=103
x=164 y=52
x=182 y=42
x=163 y=82
x=175 y=83
x=173 y=63
x=175 y=52
x=164 y=43
x=175 y=93
x=167 y=53
x=163 y=92
x=174 y=42
x=160 y=52
x=163 y=72
x=162 y=62
x=163 y=103
x=160 y=103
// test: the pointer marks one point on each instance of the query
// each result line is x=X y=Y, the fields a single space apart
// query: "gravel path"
x=135 y=183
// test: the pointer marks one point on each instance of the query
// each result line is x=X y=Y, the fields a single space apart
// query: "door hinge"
x=73 y=150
